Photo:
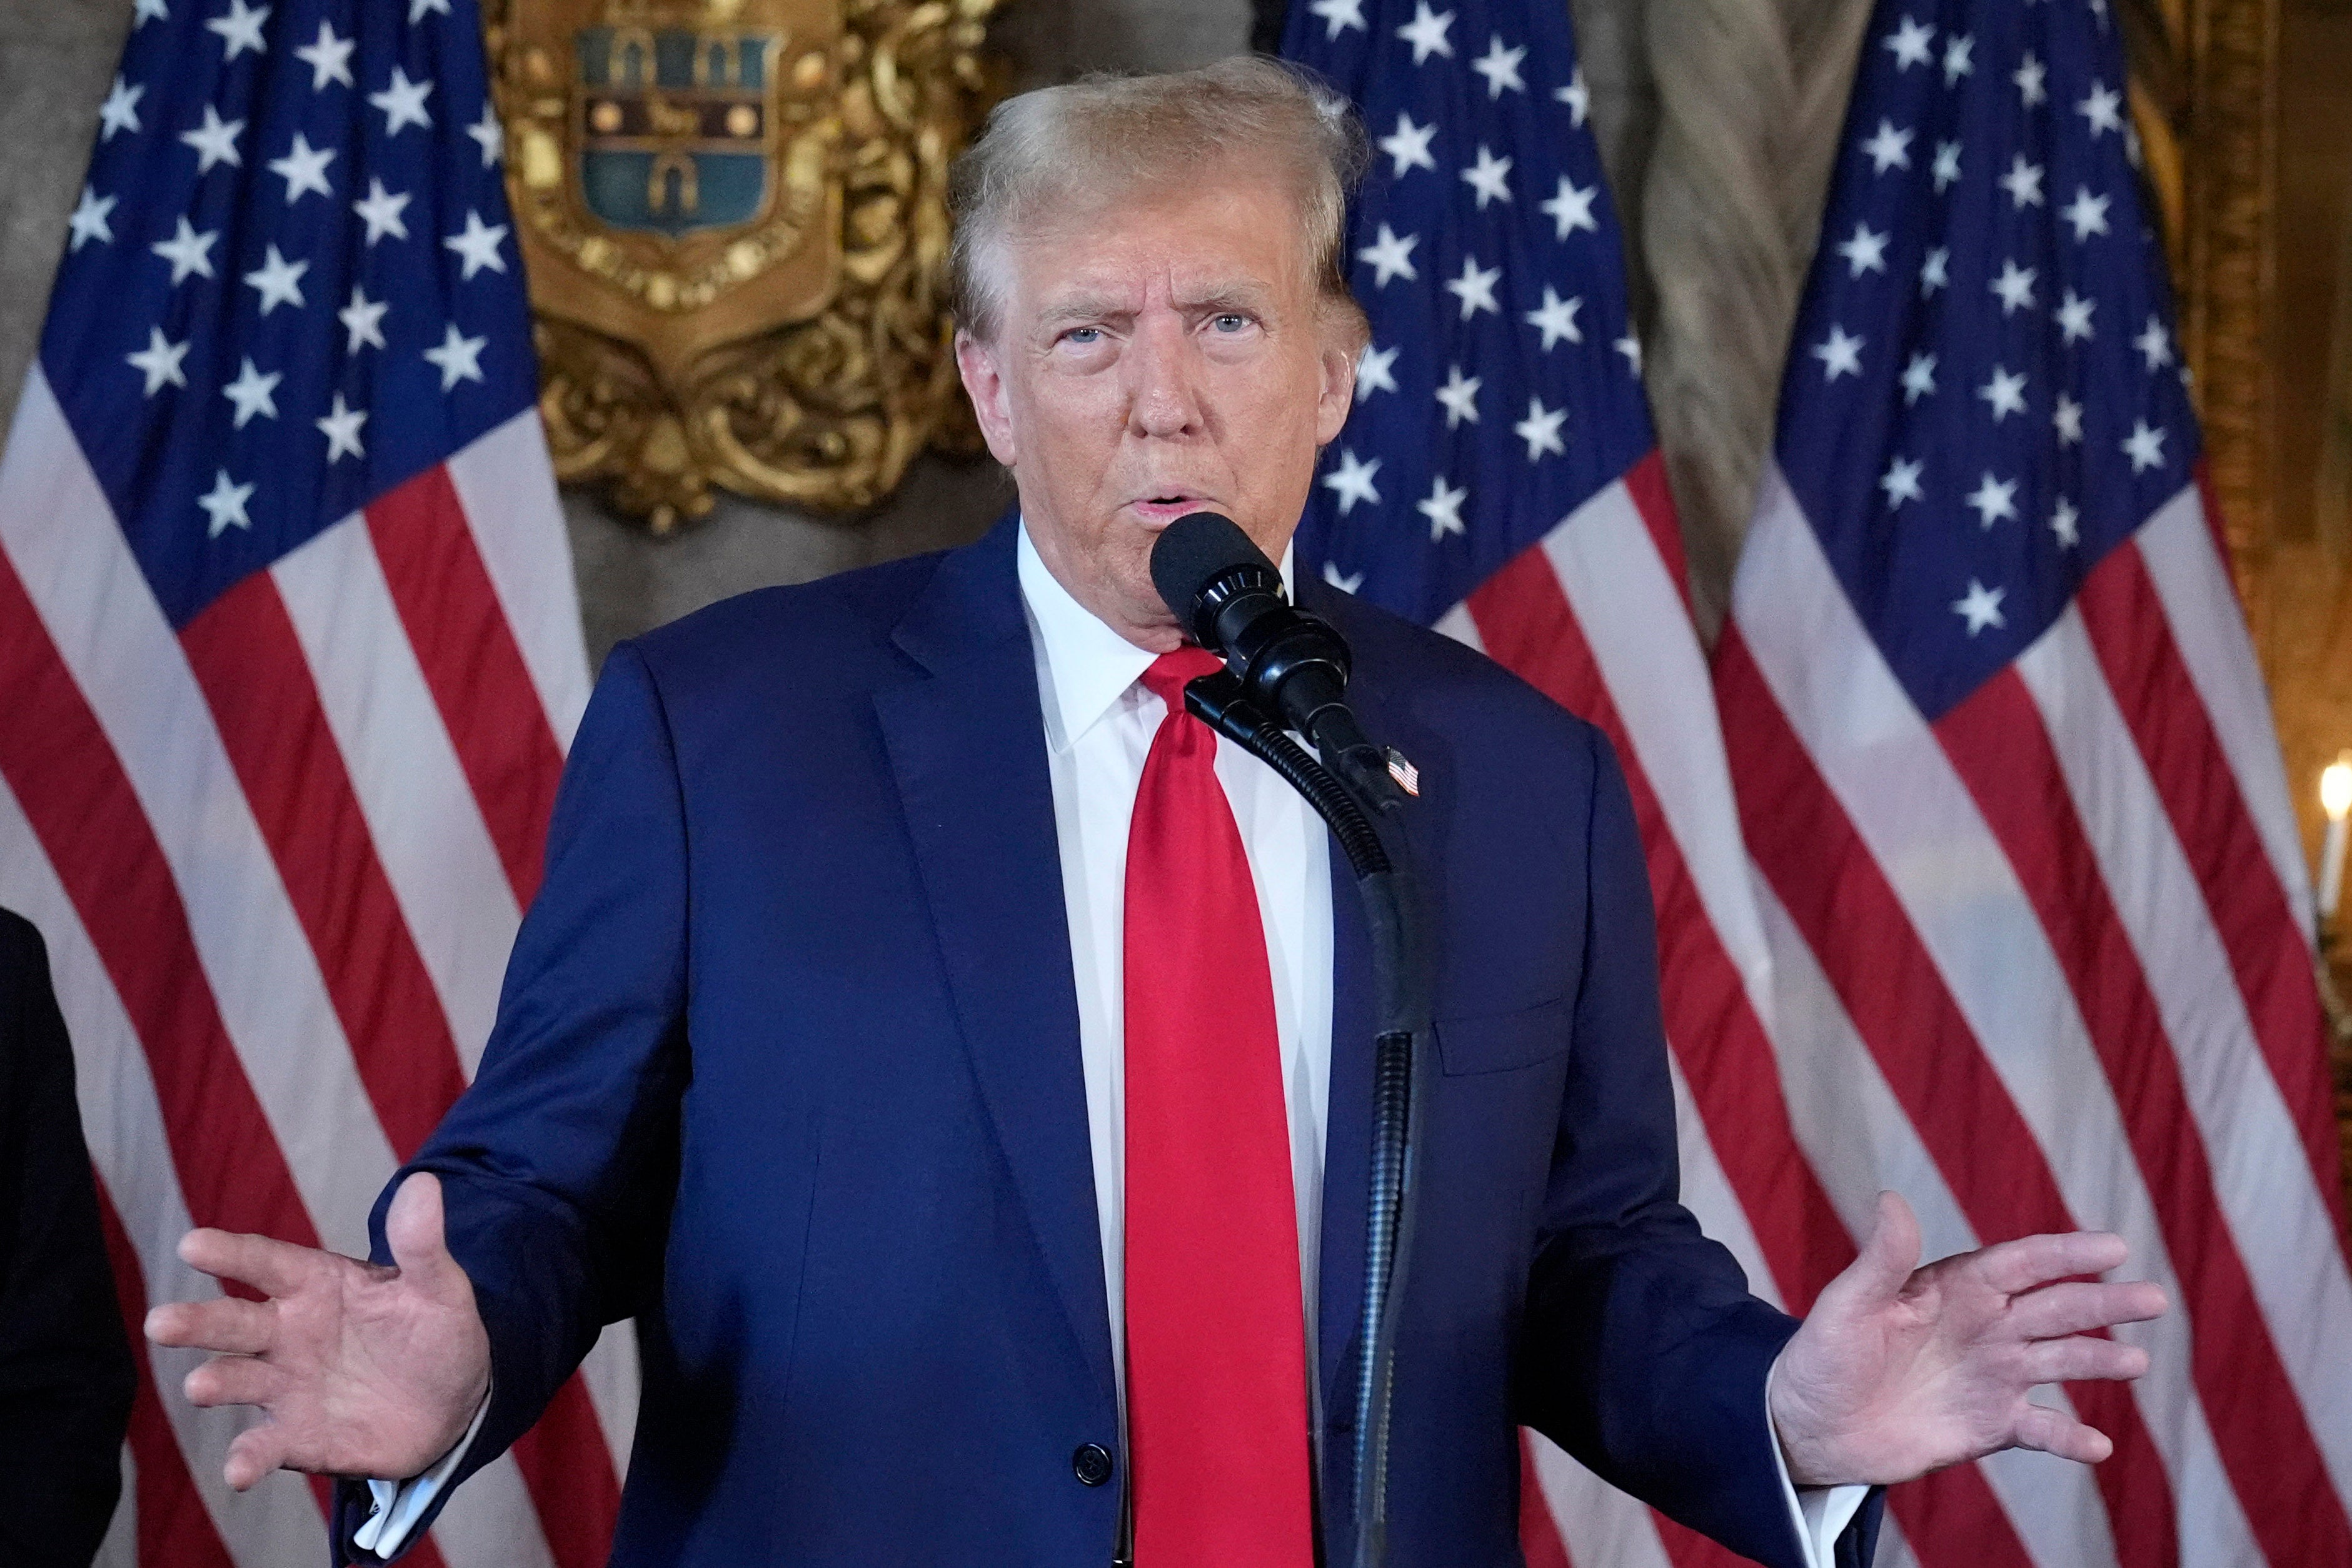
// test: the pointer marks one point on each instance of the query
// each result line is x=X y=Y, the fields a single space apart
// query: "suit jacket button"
x=1091 y=1463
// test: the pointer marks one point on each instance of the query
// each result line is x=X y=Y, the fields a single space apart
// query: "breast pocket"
x=1498 y=1041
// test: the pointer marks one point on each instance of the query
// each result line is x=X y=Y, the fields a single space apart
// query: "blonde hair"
x=1105 y=131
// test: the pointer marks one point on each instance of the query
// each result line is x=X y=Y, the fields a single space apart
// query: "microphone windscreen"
x=1192 y=552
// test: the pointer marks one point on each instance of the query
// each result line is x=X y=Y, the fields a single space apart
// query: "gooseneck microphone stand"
x=1361 y=802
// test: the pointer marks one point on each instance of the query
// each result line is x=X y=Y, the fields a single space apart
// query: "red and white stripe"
x=279 y=857
x=2042 y=963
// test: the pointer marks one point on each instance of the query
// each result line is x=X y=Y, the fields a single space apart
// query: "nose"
x=1163 y=392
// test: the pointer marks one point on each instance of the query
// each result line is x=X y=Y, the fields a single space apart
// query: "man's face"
x=1157 y=355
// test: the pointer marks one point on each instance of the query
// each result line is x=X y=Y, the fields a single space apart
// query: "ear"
x=983 y=383
x=1336 y=390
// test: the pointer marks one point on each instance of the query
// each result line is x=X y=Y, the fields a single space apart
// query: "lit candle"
x=2335 y=799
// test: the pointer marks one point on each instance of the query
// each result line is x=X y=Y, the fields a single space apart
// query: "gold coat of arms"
x=733 y=216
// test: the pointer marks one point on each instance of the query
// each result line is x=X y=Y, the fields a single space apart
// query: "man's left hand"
x=1901 y=1370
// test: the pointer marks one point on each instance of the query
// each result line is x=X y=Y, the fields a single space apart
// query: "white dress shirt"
x=1099 y=720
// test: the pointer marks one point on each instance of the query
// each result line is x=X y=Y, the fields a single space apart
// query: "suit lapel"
x=967 y=747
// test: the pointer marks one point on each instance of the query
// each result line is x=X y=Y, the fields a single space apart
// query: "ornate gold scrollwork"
x=733 y=214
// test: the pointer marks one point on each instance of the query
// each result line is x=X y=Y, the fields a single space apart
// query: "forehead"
x=1138 y=240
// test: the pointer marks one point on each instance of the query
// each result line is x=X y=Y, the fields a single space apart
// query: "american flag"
x=289 y=653
x=2034 y=899
x=1499 y=477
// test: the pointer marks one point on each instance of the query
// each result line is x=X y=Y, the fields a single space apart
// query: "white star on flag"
x=1372 y=372
x=2155 y=344
x=89 y=219
x=420 y=9
x=2005 y=392
x=1888 y=148
x=2075 y=316
x=341 y=428
x=225 y=504
x=2066 y=524
x=1444 y=509
x=304 y=169
x=2144 y=447
x=1459 y=397
x=2024 y=182
x=2015 y=286
x=1957 y=60
x=1409 y=145
x=1500 y=67
x=1981 y=607
x=1556 y=319
x=379 y=209
x=1571 y=209
x=1865 y=252
x=2029 y=76
x=362 y=319
x=1918 y=378
x=214 y=141
x=1994 y=501
x=1338 y=15
x=403 y=102
x=187 y=251
x=1932 y=271
x=1389 y=257
x=160 y=360
x=278 y=280
x=1910 y=43
x=1901 y=481
x=459 y=357
x=1948 y=165
x=1426 y=33
x=121 y=110
x=1353 y=481
x=1838 y=353
x=146 y=11
x=1489 y=178
x=489 y=135
x=1540 y=429
x=1630 y=347
x=1476 y=288
x=2066 y=417
x=2101 y=109
x=1577 y=95
x=478 y=245
x=1346 y=581
x=252 y=392
x=2086 y=213
x=330 y=58
x=241 y=29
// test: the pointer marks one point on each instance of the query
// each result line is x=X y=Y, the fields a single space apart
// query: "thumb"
x=413 y=1229
x=1888 y=1256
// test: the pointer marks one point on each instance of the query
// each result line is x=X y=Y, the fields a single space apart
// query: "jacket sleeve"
x=1643 y=1355
x=558 y=1165
x=66 y=1373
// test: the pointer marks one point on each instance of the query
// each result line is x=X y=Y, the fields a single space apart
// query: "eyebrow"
x=1104 y=305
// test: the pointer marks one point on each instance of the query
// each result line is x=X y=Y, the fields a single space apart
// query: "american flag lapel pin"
x=1407 y=776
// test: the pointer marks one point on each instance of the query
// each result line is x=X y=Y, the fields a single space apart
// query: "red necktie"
x=1216 y=1342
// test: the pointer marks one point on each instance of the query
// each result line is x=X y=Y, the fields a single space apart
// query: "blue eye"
x=1086 y=335
x=1231 y=321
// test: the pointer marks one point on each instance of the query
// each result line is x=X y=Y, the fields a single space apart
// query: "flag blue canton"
x=1984 y=395
x=292 y=281
x=1502 y=385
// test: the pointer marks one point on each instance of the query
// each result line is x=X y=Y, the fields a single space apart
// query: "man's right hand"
x=357 y=1370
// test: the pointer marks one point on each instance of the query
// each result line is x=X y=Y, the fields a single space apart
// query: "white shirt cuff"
x=1820 y=1514
x=398 y=1505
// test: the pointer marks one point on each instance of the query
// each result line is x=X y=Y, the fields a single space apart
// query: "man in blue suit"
x=810 y=1057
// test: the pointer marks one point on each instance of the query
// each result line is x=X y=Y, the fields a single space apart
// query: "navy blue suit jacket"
x=787 y=1068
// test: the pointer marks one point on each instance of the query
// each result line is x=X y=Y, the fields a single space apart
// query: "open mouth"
x=1167 y=506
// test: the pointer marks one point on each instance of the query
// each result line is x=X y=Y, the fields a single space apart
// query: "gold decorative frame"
x=819 y=405
x=2206 y=104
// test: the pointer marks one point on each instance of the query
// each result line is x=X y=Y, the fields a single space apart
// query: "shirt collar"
x=1089 y=668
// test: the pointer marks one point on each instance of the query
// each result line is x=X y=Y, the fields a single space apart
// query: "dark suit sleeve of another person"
x=1644 y=1354
x=557 y=1164
x=65 y=1374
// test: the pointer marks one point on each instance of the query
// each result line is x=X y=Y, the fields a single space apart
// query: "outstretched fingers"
x=2084 y=1358
x=2073 y=1308
x=253 y=1454
x=2056 y=1432
x=2014 y=1268
x=230 y=1325
x=271 y=1267
x=233 y=1380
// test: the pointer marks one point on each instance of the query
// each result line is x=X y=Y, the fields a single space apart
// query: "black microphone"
x=1225 y=592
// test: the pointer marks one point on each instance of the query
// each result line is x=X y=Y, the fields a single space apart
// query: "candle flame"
x=2336 y=788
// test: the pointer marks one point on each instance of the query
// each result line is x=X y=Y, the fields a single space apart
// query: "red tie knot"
x=1169 y=672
